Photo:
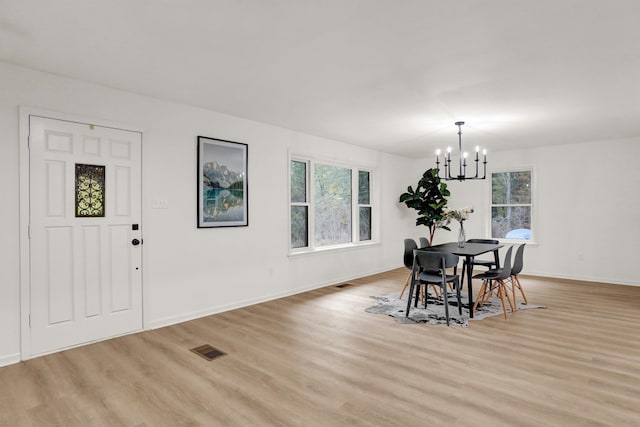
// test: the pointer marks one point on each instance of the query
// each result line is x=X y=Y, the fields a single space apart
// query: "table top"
x=469 y=249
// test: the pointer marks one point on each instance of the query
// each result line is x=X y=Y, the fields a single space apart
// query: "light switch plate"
x=159 y=204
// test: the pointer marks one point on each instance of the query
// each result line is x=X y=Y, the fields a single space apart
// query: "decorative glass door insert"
x=90 y=192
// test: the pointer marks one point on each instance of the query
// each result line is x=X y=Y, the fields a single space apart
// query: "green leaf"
x=428 y=199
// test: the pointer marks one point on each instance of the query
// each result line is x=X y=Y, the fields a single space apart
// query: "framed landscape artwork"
x=222 y=183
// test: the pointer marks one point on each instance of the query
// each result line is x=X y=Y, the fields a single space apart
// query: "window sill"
x=517 y=242
x=332 y=249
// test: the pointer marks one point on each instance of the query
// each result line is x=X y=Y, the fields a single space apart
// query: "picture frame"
x=223 y=197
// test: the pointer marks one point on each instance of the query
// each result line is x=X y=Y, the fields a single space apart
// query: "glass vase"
x=462 y=238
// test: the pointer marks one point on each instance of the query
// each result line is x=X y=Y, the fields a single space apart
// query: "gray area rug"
x=392 y=306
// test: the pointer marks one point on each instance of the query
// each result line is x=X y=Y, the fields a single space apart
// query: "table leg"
x=469 y=284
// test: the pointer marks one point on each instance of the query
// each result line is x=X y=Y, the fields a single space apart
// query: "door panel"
x=56 y=186
x=123 y=191
x=92 y=269
x=86 y=281
x=59 y=266
x=120 y=267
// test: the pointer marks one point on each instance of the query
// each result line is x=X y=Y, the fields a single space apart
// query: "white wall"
x=587 y=203
x=191 y=272
x=588 y=209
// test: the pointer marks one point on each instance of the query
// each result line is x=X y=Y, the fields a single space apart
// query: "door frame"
x=25 y=242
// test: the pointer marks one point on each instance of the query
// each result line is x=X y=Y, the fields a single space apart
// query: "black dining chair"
x=430 y=268
x=409 y=246
x=424 y=243
x=481 y=262
x=495 y=280
x=515 y=270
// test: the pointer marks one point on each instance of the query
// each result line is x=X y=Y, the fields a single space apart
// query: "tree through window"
x=329 y=204
x=511 y=205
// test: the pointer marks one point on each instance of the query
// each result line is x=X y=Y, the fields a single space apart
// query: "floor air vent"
x=344 y=285
x=208 y=352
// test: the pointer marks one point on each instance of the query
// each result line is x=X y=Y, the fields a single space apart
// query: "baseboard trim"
x=172 y=320
x=9 y=359
x=570 y=278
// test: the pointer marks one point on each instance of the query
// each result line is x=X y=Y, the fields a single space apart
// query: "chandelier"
x=462 y=161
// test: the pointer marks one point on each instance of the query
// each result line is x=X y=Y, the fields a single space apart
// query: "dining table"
x=469 y=251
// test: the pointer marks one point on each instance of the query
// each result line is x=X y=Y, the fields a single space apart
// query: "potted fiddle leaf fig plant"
x=429 y=199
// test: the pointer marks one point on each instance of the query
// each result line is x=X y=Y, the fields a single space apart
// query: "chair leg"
x=426 y=299
x=406 y=283
x=436 y=291
x=488 y=292
x=480 y=294
x=458 y=297
x=513 y=292
x=411 y=287
x=446 y=302
x=501 y=295
x=505 y=290
x=524 y=297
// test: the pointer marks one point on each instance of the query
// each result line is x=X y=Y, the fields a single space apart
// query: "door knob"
x=135 y=242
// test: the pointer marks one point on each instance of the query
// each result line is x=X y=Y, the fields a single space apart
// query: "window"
x=299 y=205
x=90 y=191
x=332 y=200
x=364 y=205
x=330 y=205
x=512 y=205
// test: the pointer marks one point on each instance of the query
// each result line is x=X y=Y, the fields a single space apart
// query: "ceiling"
x=389 y=75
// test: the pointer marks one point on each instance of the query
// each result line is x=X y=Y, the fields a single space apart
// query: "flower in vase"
x=459 y=214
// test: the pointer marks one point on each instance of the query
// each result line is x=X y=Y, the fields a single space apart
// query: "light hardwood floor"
x=317 y=359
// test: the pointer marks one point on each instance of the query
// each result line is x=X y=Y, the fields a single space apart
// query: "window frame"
x=533 y=205
x=311 y=162
x=306 y=203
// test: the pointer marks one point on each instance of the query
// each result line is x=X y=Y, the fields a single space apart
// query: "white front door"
x=85 y=233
